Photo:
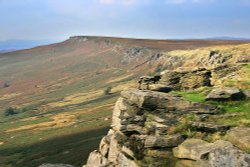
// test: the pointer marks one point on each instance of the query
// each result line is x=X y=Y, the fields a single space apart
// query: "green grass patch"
x=234 y=106
x=195 y=96
x=241 y=108
x=53 y=145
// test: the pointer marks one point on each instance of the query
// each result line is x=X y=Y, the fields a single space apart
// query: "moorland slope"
x=56 y=92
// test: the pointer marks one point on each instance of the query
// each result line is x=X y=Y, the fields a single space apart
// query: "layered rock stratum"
x=145 y=131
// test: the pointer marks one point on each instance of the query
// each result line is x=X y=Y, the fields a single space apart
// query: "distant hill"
x=10 y=45
x=7 y=50
x=57 y=92
x=228 y=38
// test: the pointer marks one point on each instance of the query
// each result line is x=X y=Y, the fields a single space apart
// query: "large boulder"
x=151 y=100
x=154 y=100
x=218 y=154
x=224 y=154
x=240 y=137
x=123 y=114
x=209 y=127
x=159 y=88
x=194 y=149
x=225 y=94
x=163 y=141
x=96 y=160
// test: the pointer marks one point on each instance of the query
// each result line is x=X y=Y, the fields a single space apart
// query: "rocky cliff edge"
x=147 y=130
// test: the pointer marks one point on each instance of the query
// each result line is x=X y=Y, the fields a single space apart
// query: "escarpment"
x=154 y=125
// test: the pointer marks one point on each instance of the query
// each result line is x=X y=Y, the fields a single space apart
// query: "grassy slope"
x=67 y=87
x=59 y=89
x=241 y=108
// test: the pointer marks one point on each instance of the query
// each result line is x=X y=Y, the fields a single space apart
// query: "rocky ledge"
x=146 y=131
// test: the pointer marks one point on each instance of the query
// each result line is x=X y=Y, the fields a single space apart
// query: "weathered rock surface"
x=240 y=137
x=163 y=141
x=224 y=72
x=104 y=146
x=146 y=81
x=225 y=94
x=186 y=78
x=157 y=100
x=124 y=161
x=96 y=160
x=132 y=54
x=143 y=134
x=194 y=149
x=209 y=127
x=218 y=154
x=159 y=88
x=55 y=165
x=224 y=154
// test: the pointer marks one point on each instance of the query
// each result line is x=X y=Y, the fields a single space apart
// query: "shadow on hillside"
x=71 y=149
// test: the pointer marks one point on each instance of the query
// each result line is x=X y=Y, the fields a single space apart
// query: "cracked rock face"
x=142 y=135
x=141 y=130
x=194 y=149
x=224 y=154
x=218 y=154
x=186 y=79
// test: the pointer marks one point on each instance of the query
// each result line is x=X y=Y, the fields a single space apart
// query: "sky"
x=156 y=19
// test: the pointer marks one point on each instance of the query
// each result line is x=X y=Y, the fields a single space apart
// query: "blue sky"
x=163 y=19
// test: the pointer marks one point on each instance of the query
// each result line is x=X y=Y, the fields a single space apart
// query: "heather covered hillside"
x=63 y=94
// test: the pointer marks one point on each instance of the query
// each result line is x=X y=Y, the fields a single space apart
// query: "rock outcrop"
x=150 y=126
x=225 y=94
x=183 y=78
x=224 y=154
x=209 y=127
x=186 y=78
x=144 y=132
x=218 y=154
x=194 y=149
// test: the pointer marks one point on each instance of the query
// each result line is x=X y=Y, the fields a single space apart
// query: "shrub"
x=10 y=111
x=107 y=90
